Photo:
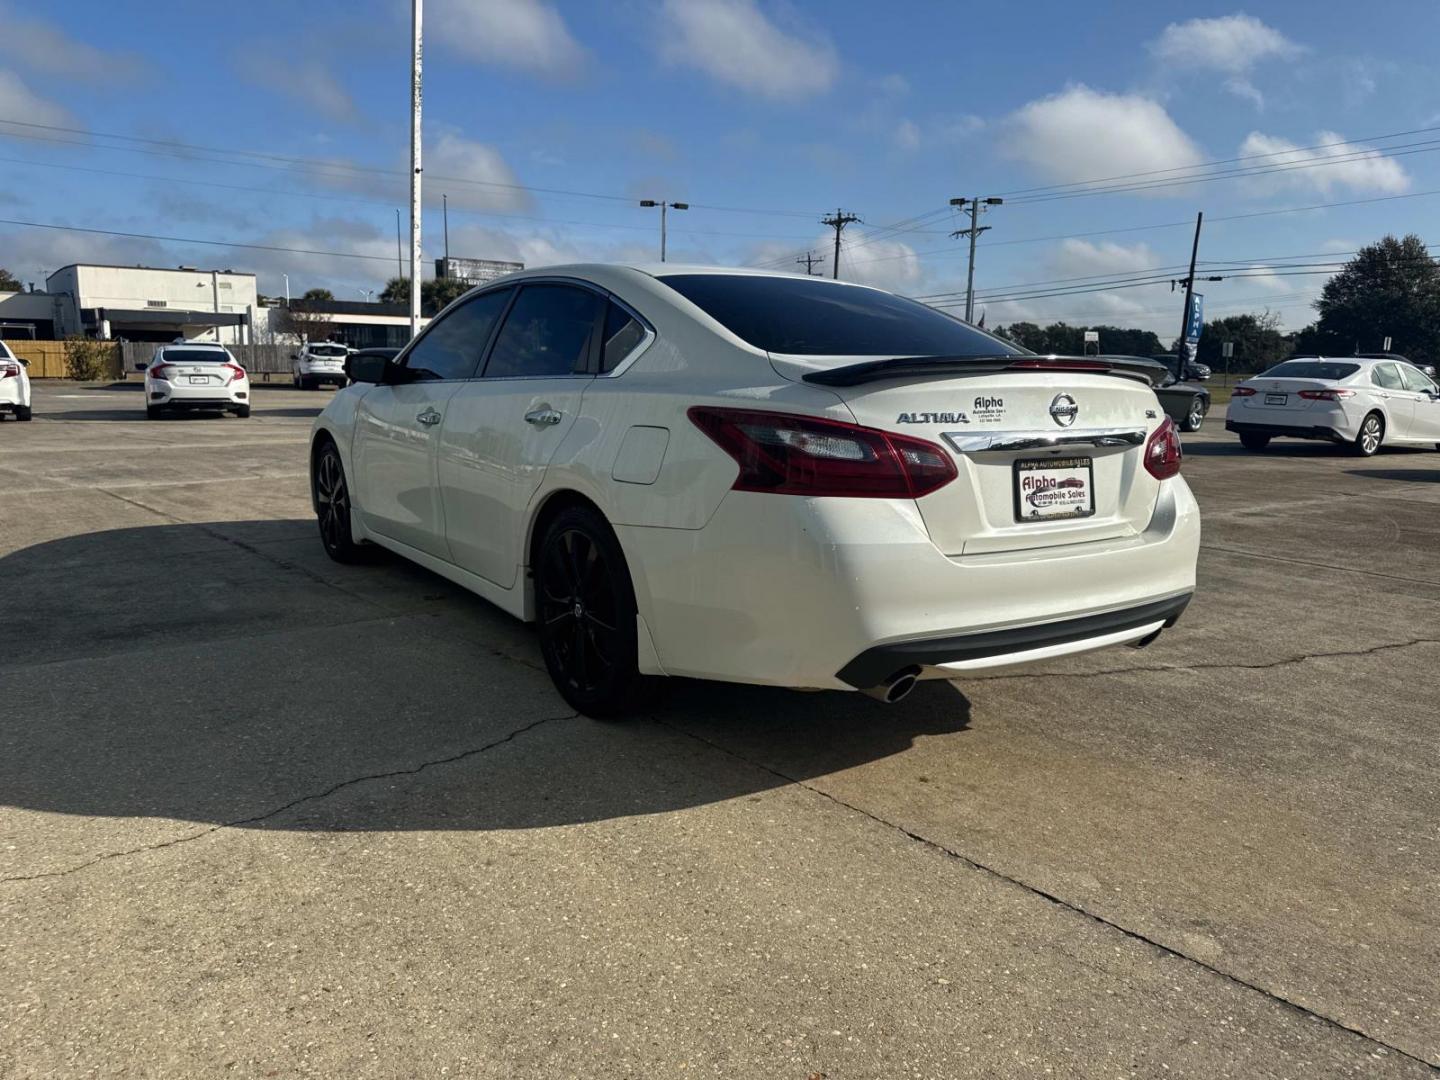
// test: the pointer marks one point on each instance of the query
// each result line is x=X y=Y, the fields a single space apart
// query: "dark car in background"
x=1194 y=372
x=1184 y=400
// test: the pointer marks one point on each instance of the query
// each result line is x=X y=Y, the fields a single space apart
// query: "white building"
x=141 y=303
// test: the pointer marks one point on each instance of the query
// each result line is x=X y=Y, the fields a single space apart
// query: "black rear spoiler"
x=1150 y=372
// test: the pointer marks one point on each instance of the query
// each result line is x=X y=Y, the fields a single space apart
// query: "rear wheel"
x=586 y=614
x=1251 y=441
x=243 y=412
x=152 y=412
x=22 y=412
x=332 y=506
x=1195 y=417
x=1370 y=437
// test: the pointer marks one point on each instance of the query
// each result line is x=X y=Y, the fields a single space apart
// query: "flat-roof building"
x=146 y=303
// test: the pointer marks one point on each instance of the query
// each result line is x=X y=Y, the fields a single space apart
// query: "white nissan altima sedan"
x=761 y=478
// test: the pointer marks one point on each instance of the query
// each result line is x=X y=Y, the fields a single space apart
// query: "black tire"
x=243 y=412
x=331 y=493
x=1195 y=418
x=22 y=412
x=153 y=412
x=585 y=613
x=1252 y=441
x=1370 y=437
x=302 y=382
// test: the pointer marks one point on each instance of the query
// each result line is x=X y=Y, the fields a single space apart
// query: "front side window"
x=812 y=317
x=1386 y=376
x=547 y=333
x=1416 y=380
x=623 y=332
x=452 y=344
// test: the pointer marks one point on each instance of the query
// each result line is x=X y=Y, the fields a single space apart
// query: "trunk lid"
x=1283 y=395
x=1003 y=428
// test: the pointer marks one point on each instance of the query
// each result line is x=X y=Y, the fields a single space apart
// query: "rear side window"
x=452 y=344
x=547 y=333
x=1415 y=379
x=1386 y=376
x=812 y=317
x=1310 y=369
x=623 y=332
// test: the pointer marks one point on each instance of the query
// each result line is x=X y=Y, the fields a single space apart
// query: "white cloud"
x=1229 y=44
x=309 y=82
x=454 y=155
x=1356 y=168
x=886 y=264
x=733 y=42
x=43 y=48
x=1079 y=134
x=526 y=34
x=907 y=135
x=19 y=102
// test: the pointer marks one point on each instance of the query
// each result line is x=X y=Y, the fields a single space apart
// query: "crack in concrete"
x=314 y=796
x=1229 y=666
x=1321 y=566
x=1057 y=900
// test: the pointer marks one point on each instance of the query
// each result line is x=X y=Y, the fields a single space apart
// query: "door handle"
x=543 y=417
x=429 y=418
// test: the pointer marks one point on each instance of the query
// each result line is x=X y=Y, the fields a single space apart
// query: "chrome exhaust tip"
x=897 y=687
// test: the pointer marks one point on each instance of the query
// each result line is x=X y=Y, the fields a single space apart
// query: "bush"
x=88 y=360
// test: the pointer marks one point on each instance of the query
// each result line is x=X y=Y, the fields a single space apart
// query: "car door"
x=398 y=424
x=1425 y=420
x=503 y=428
x=1399 y=402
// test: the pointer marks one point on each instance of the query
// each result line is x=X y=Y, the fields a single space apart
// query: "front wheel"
x=1195 y=417
x=585 y=606
x=1251 y=441
x=332 y=506
x=1370 y=436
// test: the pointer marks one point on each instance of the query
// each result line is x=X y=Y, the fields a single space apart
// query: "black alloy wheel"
x=332 y=506
x=585 y=607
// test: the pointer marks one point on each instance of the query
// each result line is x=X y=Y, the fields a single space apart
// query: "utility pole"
x=974 y=207
x=838 y=221
x=445 y=208
x=664 y=206
x=399 y=249
x=1189 y=292
x=810 y=259
x=417 y=14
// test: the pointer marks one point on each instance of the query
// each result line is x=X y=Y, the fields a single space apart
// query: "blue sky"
x=763 y=113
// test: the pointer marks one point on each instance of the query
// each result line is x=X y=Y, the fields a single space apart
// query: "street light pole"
x=417 y=14
x=287 y=289
x=664 y=206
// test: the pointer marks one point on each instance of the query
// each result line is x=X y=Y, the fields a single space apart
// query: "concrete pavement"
x=263 y=815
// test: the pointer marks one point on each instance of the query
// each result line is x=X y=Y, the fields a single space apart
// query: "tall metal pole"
x=970 y=277
x=399 y=249
x=1189 y=292
x=215 y=292
x=445 y=207
x=835 y=266
x=663 y=207
x=417 y=13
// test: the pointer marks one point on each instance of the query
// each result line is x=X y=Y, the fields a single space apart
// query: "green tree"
x=396 y=291
x=318 y=294
x=434 y=294
x=1257 y=340
x=1391 y=288
x=9 y=282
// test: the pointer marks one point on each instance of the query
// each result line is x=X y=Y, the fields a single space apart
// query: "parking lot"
x=265 y=815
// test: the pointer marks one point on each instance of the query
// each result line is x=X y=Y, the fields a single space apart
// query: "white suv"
x=319 y=362
x=14 y=384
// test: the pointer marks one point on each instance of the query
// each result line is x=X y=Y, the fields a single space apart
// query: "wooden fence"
x=47 y=358
x=263 y=360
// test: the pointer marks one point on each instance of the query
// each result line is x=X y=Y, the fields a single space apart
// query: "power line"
x=193 y=240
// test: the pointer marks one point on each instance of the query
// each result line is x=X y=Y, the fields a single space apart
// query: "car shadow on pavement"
x=229 y=673
x=1414 y=476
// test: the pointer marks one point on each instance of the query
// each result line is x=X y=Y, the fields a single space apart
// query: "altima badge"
x=1064 y=410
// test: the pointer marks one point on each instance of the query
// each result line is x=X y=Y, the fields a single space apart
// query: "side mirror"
x=294 y=356
x=1429 y=369
x=23 y=362
x=370 y=368
x=141 y=365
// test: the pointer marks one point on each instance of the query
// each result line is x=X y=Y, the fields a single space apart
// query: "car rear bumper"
x=10 y=396
x=200 y=397
x=1290 y=431
x=323 y=374
x=828 y=592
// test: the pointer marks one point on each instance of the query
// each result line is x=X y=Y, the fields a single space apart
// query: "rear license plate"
x=1276 y=399
x=1054 y=488
x=199 y=380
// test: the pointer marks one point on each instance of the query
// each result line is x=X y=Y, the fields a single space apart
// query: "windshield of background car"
x=195 y=356
x=329 y=350
x=1310 y=369
x=822 y=318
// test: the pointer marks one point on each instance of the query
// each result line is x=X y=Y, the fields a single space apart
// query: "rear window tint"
x=1310 y=369
x=329 y=350
x=195 y=356
x=811 y=317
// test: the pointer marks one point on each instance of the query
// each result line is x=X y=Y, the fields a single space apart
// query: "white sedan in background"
x=1364 y=402
x=193 y=377
x=14 y=384
x=761 y=478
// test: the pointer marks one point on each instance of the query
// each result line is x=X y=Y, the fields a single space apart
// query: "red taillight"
x=1326 y=395
x=1162 y=451
x=9 y=370
x=237 y=373
x=159 y=371
x=1243 y=391
x=805 y=455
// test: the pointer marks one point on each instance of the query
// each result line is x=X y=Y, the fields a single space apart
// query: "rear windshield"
x=195 y=356
x=1311 y=369
x=824 y=318
x=328 y=350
